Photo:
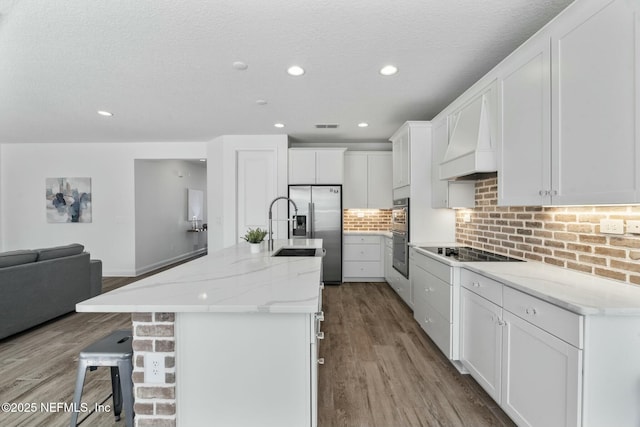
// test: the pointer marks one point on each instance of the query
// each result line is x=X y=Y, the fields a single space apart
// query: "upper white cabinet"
x=367 y=180
x=401 y=147
x=570 y=121
x=316 y=166
x=524 y=91
x=447 y=194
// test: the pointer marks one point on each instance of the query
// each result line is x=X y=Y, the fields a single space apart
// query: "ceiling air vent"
x=327 y=126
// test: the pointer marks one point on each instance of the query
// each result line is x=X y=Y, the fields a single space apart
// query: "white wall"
x=111 y=235
x=161 y=188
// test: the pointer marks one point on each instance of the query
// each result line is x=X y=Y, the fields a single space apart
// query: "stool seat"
x=114 y=350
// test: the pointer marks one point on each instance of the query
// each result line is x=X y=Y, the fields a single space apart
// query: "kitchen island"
x=242 y=330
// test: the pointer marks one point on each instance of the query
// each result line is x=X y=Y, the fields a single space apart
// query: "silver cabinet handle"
x=321 y=285
x=320 y=335
x=320 y=316
x=501 y=322
x=476 y=284
x=532 y=311
x=321 y=361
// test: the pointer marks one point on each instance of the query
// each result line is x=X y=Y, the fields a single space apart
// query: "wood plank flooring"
x=381 y=370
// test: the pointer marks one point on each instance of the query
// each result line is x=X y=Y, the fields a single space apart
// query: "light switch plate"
x=612 y=226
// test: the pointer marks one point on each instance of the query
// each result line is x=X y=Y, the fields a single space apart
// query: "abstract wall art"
x=68 y=200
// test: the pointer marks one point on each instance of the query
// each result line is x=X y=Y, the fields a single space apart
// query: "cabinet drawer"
x=362 y=252
x=435 y=291
x=481 y=285
x=441 y=270
x=437 y=327
x=362 y=269
x=360 y=239
x=557 y=321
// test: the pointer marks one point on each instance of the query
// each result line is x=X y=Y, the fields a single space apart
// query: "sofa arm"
x=96 y=277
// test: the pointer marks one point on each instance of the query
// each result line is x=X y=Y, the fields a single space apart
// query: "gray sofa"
x=39 y=285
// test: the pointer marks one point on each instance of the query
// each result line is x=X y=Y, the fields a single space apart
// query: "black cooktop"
x=467 y=254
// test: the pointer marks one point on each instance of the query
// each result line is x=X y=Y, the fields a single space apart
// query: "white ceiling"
x=164 y=67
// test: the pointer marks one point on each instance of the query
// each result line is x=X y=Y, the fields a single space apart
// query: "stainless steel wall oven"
x=400 y=231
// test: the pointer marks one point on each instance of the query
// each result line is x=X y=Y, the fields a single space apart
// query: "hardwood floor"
x=381 y=370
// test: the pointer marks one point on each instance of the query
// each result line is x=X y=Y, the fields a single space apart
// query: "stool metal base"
x=114 y=350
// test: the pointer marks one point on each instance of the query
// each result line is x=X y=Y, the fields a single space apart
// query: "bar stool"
x=114 y=350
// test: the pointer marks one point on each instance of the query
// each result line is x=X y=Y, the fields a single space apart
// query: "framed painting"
x=68 y=200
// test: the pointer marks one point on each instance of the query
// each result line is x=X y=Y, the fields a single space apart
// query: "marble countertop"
x=229 y=280
x=578 y=292
x=384 y=233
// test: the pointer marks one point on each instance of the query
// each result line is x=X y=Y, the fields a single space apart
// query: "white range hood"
x=471 y=148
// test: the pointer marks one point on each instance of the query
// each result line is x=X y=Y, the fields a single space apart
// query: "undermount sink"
x=309 y=252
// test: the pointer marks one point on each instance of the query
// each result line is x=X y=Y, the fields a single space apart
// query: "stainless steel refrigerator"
x=322 y=206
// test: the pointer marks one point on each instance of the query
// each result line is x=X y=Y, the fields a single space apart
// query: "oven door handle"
x=399 y=233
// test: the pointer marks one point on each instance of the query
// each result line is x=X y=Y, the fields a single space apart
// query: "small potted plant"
x=255 y=238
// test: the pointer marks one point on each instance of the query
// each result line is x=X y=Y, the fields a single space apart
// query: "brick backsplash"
x=566 y=236
x=366 y=219
x=155 y=404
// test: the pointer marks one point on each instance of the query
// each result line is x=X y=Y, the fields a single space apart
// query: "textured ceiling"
x=164 y=67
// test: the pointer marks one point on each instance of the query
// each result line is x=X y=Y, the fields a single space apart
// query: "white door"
x=481 y=341
x=256 y=188
x=541 y=379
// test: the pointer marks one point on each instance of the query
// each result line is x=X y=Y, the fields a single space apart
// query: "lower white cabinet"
x=435 y=300
x=397 y=281
x=363 y=258
x=541 y=376
x=535 y=374
x=481 y=341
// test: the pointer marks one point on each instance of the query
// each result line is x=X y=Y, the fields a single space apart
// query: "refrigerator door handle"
x=310 y=224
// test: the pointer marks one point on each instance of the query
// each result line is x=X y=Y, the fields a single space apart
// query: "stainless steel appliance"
x=321 y=208
x=468 y=254
x=400 y=232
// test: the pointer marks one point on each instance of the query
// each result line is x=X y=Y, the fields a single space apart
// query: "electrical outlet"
x=633 y=227
x=612 y=226
x=154 y=368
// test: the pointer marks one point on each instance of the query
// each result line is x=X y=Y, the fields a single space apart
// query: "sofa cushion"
x=9 y=259
x=59 y=251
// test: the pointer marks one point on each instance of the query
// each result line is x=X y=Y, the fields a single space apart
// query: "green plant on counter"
x=255 y=235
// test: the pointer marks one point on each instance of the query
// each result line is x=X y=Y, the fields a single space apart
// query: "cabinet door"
x=481 y=341
x=524 y=90
x=355 y=181
x=595 y=101
x=541 y=380
x=379 y=178
x=439 y=189
x=388 y=259
x=302 y=167
x=401 y=170
x=329 y=167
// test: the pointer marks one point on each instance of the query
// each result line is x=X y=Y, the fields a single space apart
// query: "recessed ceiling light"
x=240 y=66
x=261 y=102
x=363 y=125
x=295 y=70
x=105 y=113
x=388 y=70
x=279 y=125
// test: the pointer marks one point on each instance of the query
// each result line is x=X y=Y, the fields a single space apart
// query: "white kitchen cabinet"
x=524 y=159
x=523 y=351
x=400 y=284
x=481 y=341
x=316 y=166
x=363 y=258
x=570 y=110
x=596 y=103
x=541 y=379
x=436 y=295
x=367 y=180
x=401 y=148
x=447 y=194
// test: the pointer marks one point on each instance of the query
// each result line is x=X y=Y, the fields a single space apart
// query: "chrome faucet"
x=270 y=237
